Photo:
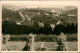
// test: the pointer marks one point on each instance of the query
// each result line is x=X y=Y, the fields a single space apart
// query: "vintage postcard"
x=39 y=26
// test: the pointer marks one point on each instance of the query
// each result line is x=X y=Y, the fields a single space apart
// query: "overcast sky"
x=34 y=4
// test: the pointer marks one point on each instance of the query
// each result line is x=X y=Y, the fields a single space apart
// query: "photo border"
x=41 y=51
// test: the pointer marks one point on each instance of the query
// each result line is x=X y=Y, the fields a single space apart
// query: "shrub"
x=43 y=38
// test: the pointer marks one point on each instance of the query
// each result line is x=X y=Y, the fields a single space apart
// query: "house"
x=18 y=22
x=52 y=26
x=28 y=18
x=71 y=15
x=58 y=22
x=46 y=14
x=41 y=24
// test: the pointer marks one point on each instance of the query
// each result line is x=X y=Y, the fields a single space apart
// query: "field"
x=51 y=46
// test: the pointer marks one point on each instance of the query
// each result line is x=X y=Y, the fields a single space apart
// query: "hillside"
x=74 y=16
x=40 y=22
x=73 y=11
x=10 y=15
x=33 y=14
x=59 y=8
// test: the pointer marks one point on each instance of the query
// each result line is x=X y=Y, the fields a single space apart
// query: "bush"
x=72 y=37
x=19 y=38
x=43 y=38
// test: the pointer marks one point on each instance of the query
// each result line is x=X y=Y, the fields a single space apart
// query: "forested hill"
x=73 y=11
x=72 y=15
x=38 y=16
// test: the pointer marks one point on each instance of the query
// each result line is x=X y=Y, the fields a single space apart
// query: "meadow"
x=51 y=46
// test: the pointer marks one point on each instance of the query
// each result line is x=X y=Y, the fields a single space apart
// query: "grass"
x=15 y=46
x=19 y=45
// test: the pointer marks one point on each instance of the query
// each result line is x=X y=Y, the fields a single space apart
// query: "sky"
x=34 y=4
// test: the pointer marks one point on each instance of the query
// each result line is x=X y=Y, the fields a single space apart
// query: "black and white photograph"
x=39 y=26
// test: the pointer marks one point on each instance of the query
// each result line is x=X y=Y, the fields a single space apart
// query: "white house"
x=71 y=15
